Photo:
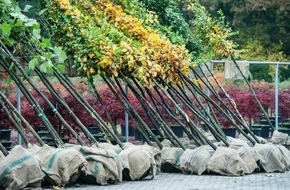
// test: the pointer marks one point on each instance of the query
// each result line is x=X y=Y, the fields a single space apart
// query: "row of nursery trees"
x=243 y=99
x=122 y=42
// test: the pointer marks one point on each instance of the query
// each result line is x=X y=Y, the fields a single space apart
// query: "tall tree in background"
x=263 y=20
x=263 y=27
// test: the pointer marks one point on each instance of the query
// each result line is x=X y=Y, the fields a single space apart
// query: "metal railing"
x=276 y=80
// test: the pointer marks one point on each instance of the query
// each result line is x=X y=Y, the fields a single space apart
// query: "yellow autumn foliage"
x=115 y=41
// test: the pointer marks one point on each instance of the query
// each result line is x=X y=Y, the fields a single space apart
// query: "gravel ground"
x=173 y=181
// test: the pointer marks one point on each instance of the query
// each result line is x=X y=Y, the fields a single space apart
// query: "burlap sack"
x=20 y=169
x=1 y=156
x=186 y=142
x=127 y=145
x=280 y=138
x=171 y=159
x=102 y=167
x=73 y=146
x=103 y=164
x=166 y=143
x=41 y=152
x=195 y=161
x=210 y=137
x=286 y=155
x=62 y=166
x=138 y=162
x=250 y=158
x=189 y=144
x=271 y=157
x=156 y=155
x=261 y=139
x=108 y=146
x=226 y=161
x=237 y=144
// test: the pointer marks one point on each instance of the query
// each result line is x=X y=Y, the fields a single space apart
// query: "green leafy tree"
x=263 y=20
x=263 y=27
x=20 y=33
x=207 y=36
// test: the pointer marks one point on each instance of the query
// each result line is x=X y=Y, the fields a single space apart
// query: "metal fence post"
x=126 y=116
x=19 y=110
x=276 y=95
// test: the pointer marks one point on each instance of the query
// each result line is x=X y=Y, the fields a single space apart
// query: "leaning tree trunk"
x=172 y=137
x=80 y=100
x=53 y=108
x=140 y=124
x=32 y=102
x=141 y=90
x=23 y=120
x=254 y=94
x=66 y=106
x=189 y=121
x=104 y=107
x=68 y=85
x=135 y=114
x=192 y=128
x=240 y=118
x=171 y=114
x=211 y=116
x=3 y=149
x=12 y=118
x=189 y=82
x=212 y=126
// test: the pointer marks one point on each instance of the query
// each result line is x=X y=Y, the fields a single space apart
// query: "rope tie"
x=42 y=115
x=55 y=109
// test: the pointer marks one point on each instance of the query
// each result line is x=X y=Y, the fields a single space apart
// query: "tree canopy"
x=263 y=22
x=263 y=28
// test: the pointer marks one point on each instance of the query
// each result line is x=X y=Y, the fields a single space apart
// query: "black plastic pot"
x=204 y=127
x=257 y=131
x=5 y=137
x=43 y=133
x=98 y=136
x=155 y=131
x=231 y=132
x=48 y=140
x=272 y=119
x=114 y=142
x=137 y=135
x=265 y=130
x=5 y=134
x=131 y=133
x=41 y=128
x=285 y=130
x=286 y=125
x=102 y=140
x=6 y=144
x=94 y=130
x=177 y=130
x=65 y=140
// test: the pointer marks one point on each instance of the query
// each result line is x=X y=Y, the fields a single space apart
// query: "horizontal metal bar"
x=256 y=62
x=269 y=62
